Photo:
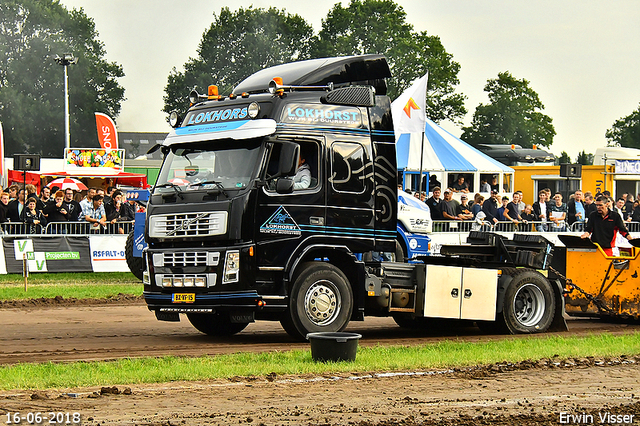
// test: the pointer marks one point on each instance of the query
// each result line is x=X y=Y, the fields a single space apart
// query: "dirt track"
x=541 y=394
x=515 y=395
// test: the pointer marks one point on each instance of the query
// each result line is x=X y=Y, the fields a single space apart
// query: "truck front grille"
x=184 y=259
x=188 y=225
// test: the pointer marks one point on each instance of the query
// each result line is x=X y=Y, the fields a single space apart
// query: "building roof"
x=137 y=144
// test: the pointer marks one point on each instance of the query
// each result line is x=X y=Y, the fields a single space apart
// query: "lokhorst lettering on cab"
x=226 y=114
x=301 y=113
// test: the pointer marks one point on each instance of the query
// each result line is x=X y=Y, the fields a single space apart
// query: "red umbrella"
x=67 y=183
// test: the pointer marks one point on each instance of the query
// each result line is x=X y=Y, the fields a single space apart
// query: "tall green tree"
x=32 y=33
x=584 y=158
x=512 y=116
x=236 y=45
x=625 y=132
x=563 y=158
x=380 y=26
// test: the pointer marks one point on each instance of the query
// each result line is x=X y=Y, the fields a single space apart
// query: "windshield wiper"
x=211 y=182
x=174 y=186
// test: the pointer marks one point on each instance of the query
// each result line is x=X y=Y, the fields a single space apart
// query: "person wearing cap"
x=464 y=202
x=490 y=207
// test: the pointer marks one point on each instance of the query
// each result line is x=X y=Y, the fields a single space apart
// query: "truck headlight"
x=231 y=267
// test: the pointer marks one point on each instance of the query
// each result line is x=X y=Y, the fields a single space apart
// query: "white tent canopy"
x=445 y=154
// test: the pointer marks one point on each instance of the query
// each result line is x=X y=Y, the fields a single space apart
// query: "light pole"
x=66 y=60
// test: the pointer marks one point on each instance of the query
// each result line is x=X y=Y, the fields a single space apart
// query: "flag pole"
x=3 y=169
x=421 y=166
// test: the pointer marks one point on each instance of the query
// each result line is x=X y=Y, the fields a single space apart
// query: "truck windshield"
x=222 y=164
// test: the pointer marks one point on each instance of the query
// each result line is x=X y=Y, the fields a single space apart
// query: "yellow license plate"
x=184 y=297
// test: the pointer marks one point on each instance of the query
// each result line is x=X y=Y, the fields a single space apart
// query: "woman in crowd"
x=477 y=204
x=34 y=218
x=55 y=210
x=119 y=210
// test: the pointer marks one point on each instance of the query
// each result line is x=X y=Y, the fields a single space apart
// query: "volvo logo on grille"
x=186 y=223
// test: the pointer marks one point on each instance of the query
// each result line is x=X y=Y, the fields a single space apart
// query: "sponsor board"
x=107 y=253
x=46 y=255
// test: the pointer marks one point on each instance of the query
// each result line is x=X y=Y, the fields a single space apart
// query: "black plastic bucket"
x=327 y=346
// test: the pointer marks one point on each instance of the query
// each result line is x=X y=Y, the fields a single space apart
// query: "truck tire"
x=529 y=303
x=135 y=264
x=400 y=253
x=216 y=324
x=321 y=300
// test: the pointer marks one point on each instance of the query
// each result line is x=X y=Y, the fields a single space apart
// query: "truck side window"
x=347 y=167
x=309 y=151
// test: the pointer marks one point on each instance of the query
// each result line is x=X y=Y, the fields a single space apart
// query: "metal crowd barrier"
x=451 y=226
x=65 y=228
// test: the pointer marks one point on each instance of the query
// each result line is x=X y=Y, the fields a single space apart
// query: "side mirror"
x=154 y=148
x=289 y=156
x=284 y=186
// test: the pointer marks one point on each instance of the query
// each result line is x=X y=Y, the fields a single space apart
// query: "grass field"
x=67 y=285
x=396 y=358
x=152 y=370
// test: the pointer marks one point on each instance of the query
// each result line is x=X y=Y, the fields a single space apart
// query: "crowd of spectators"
x=95 y=209
x=549 y=213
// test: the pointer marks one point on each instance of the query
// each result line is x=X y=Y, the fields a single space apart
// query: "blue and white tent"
x=446 y=154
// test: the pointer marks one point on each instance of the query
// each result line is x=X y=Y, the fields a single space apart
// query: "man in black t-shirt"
x=435 y=204
x=512 y=211
x=460 y=185
x=603 y=226
x=490 y=207
x=71 y=206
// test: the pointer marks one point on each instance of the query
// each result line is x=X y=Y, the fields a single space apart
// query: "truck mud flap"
x=559 y=322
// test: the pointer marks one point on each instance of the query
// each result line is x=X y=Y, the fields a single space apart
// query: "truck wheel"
x=321 y=300
x=400 y=254
x=216 y=324
x=135 y=264
x=529 y=303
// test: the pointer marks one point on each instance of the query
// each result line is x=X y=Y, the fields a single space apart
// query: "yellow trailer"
x=597 y=284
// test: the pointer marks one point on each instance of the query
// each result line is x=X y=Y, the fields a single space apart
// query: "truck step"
x=412 y=300
x=410 y=310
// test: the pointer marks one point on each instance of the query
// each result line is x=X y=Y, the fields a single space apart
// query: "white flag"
x=408 y=110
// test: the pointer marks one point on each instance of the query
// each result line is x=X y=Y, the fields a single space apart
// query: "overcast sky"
x=581 y=56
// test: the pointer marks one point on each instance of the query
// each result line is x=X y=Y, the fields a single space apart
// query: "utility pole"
x=66 y=60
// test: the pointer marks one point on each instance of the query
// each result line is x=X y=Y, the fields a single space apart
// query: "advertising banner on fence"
x=55 y=254
x=107 y=253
